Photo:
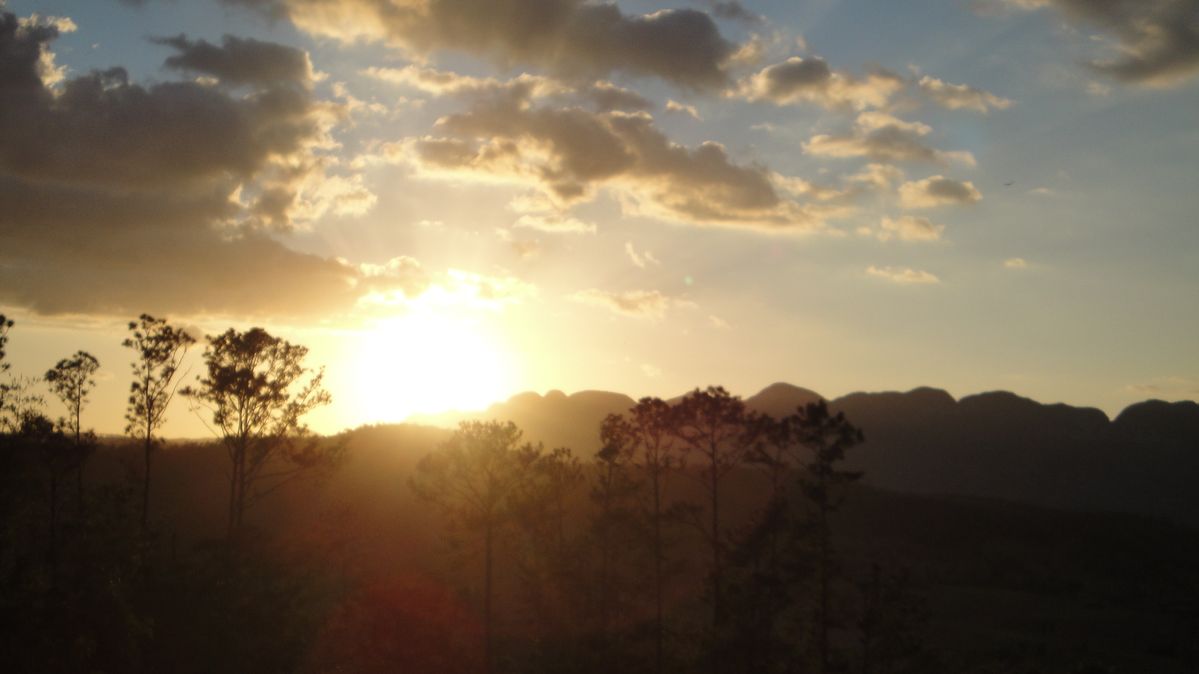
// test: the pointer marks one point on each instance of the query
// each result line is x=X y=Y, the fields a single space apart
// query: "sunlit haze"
x=448 y=206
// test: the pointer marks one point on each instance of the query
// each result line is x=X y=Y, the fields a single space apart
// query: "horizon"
x=449 y=209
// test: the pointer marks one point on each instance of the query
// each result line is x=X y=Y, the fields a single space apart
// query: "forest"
x=696 y=534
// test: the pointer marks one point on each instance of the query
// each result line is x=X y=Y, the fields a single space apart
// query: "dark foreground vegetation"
x=694 y=535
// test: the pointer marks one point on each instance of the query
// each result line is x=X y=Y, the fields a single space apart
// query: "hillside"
x=994 y=445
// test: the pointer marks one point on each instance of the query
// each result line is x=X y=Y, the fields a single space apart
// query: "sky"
x=453 y=201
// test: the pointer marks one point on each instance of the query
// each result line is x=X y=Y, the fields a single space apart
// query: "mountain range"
x=992 y=445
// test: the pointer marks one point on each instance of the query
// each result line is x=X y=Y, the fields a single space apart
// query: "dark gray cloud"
x=734 y=11
x=1157 y=40
x=119 y=198
x=568 y=37
x=937 y=191
x=239 y=60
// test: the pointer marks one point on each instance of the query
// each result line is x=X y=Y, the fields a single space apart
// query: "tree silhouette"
x=5 y=325
x=717 y=427
x=475 y=478
x=255 y=388
x=822 y=438
x=549 y=563
x=39 y=435
x=72 y=380
x=158 y=351
x=647 y=433
x=614 y=495
x=18 y=401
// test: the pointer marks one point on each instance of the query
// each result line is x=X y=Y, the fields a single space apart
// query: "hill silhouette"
x=993 y=445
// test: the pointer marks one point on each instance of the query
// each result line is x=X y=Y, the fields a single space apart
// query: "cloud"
x=601 y=94
x=877 y=176
x=733 y=11
x=571 y=38
x=883 y=137
x=689 y=110
x=811 y=80
x=568 y=153
x=937 y=191
x=642 y=259
x=123 y=198
x=555 y=223
x=651 y=371
x=239 y=61
x=903 y=275
x=1157 y=41
x=637 y=303
x=960 y=96
x=1015 y=263
x=909 y=228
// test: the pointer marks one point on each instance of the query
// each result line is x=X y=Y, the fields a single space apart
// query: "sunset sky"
x=452 y=201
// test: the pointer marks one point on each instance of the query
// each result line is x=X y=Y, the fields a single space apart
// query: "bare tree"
x=72 y=380
x=158 y=349
x=258 y=391
x=475 y=478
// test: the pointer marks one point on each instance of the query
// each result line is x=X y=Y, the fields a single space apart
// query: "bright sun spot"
x=427 y=362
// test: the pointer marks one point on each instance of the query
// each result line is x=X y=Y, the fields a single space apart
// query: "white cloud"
x=689 y=110
x=961 y=96
x=903 y=275
x=638 y=303
x=909 y=228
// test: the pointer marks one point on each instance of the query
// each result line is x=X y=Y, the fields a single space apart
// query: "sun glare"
x=428 y=362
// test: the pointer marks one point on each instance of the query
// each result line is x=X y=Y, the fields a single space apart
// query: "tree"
x=17 y=400
x=549 y=563
x=158 y=351
x=475 y=478
x=72 y=379
x=647 y=433
x=39 y=435
x=259 y=391
x=614 y=493
x=717 y=427
x=823 y=437
x=5 y=325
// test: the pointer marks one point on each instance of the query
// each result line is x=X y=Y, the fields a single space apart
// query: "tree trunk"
x=53 y=525
x=657 y=575
x=146 y=484
x=825 y=562
x=487 y=617
x=79 y=456
x=232 y=497
x=79 y=489
x=716 y=570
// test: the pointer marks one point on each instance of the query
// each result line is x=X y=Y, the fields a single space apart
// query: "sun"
x=427 y=362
